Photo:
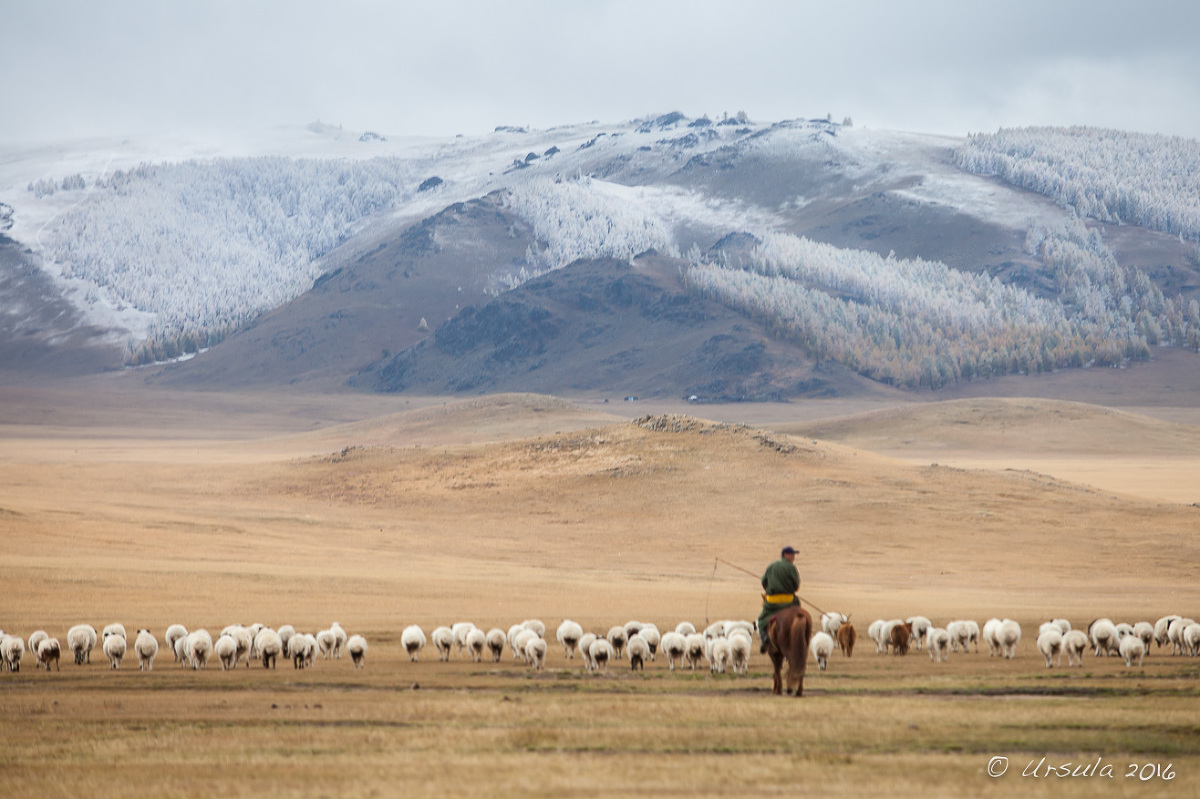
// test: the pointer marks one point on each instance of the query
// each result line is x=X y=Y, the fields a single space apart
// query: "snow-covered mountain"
x=883 y=252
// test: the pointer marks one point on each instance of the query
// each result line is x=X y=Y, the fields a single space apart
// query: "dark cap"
x=787 y=551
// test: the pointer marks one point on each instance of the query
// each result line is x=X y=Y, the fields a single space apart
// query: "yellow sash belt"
x=778 y=599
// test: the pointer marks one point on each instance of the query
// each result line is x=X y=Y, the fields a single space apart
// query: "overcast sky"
x=80 y=68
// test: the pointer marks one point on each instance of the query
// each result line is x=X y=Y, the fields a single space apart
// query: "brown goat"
x=899 y=640
x=846 y=637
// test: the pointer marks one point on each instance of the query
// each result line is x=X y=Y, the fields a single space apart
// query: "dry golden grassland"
x=509 y=508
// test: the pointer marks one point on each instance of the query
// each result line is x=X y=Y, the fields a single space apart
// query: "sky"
x=74 y=68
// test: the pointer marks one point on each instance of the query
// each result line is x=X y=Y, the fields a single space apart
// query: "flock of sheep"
x=235 y=643
x=1055 y=637
x=722 y=646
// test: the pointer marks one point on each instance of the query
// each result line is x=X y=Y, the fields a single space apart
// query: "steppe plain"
x=147 y=506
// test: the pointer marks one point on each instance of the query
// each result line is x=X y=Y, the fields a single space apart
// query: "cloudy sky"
x=80 y=68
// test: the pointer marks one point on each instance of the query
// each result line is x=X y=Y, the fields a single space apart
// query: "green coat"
x=780 y=577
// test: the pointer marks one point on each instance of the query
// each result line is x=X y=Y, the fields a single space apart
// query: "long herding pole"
x=752 y=574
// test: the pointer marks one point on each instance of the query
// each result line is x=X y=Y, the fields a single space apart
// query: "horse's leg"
x=777 y=662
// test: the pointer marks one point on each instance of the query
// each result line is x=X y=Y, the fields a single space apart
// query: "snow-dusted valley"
x=906 y=259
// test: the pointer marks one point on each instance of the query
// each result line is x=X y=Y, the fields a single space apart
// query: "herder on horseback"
x=780 y=583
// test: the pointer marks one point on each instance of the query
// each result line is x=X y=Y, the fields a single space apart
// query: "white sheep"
x=1103 y=635
x=989 y=635
x=460 y=631
x=638 y=649
x=326 y=643
x=568 y=635
x=226 y=651
x=685 y=628
x=1064 y=626
x=714 y=630
x=694 y=649
x=285 y=633
x=81 y=639
x=972 y=634
x=413 y=641
x=740 y=647
x=443 y=639
x=175 y=633
x=268 y=646
x=674 y=645
x=1145 y=631
x=116 y=628
x=920 y=627
x=1175 y=635
x=12 y=650
x=245 y=644
x=339 y=639
x=1191 y=639
x=496 y=641
x=617 y=638
x=830 y=622
x=356 y=645
x=585 y=647
x=146 y=647
x=653 y=639
x=1050 y=644
x=476 y=641
x=199 y=648
x=601 y=652
x=718 y=654
x=523 y=638
x=1075 y=642
x=821 y=647
x=535 y=651
x=632 y=628
x=49 y=650
x=299 y=650
x=875 y=633
x=1160 y=629
x=181 y=652
x=35 y=639
x=537 y=625
x=513 y=632
x=1009 y=635
x=311 y=649
x=938 y=641
x=114 y=649
x=1131 y=648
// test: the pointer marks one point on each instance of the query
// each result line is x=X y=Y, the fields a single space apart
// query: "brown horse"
x=789 y=632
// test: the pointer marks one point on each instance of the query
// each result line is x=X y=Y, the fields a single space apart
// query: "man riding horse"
x=784 y=626
x=780 y=583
